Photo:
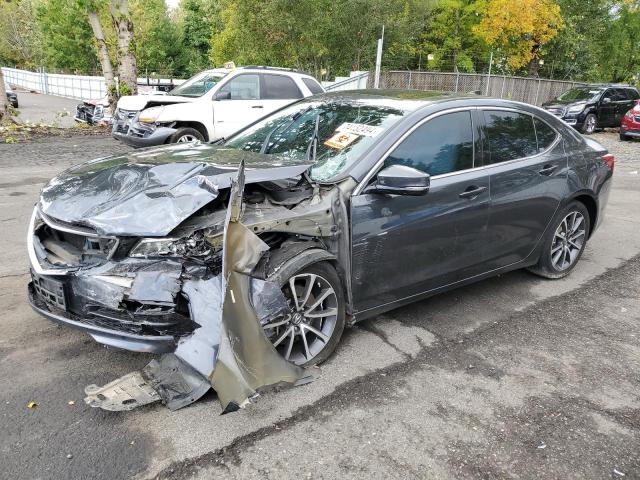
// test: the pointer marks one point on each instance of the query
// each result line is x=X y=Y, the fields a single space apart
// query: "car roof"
x=406 y=100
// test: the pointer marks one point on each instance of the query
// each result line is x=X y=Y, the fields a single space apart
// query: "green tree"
x=20 y=37
x=67 y=36
x=198 y=20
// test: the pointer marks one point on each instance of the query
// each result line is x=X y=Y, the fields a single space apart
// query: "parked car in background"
x=630 y=126
x=365 y=201
x=11 y=96
x=211 y=105
x=94 y=112
x=590 y=107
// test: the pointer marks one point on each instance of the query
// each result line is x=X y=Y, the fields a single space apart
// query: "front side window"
x=442 y=145
x=510 y=135
x=243 y=87
x=579 y=94
x=277 y=87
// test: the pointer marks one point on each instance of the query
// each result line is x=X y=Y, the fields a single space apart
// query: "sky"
x=172 y=4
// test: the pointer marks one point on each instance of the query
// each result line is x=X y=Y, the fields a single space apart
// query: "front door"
x=528 y=173
x=407 y=245
x=241 y=106
x=607 y=109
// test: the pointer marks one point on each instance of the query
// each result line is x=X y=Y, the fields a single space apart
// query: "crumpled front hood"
x=150 y=192
x=138 y=102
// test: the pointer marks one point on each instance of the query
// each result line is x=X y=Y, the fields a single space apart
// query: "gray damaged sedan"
x=242 y=261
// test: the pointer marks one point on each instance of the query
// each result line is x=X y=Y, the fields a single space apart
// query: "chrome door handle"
x=257 y=106
x=472 y=192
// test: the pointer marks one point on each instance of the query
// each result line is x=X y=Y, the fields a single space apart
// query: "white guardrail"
x=84 y=87
x=81 y=87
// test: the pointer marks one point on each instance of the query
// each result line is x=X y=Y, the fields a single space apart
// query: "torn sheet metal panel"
x=125 y=393
x=230 y=350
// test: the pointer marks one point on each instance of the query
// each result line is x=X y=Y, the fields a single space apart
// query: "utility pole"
x=489 y=75
x=376 y=78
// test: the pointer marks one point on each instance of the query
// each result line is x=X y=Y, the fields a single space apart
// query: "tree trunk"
x=4 y=103
x=103 y=55
x=127 y=71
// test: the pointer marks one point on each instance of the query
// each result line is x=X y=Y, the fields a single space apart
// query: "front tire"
x=564 y=242
x=310 y=333
x=624 y=138
x=590 y=124
x=14 y=104
x=186 y=135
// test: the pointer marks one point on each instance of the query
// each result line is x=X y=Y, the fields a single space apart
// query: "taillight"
x=610 y=160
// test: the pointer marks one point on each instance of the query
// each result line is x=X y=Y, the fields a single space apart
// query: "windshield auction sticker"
x=359 y=129
x=341 y=140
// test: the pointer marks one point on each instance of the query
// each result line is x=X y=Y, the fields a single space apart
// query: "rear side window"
x=545 y=134
x=243 y=87
x=313 y=86
x=280 y=87
x=441 y=145
x=510 y=135
x=632 y=93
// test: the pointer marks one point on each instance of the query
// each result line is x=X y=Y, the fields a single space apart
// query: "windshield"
x=198 y=85
x=345 y=130
x=579 y=94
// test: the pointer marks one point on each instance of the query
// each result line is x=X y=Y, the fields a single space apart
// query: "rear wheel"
x=564 y=243
x=310 y=332
x=186 y=135
x=590 y=124
x=14 y=104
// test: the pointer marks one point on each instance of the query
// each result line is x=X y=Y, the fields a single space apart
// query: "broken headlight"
x=192 y=246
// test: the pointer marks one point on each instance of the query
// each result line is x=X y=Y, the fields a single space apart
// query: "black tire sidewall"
x=328 y=272
x=185 y=131
x=545 y=262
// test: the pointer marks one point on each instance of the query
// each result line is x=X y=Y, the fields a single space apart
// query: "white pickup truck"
x=212 y=105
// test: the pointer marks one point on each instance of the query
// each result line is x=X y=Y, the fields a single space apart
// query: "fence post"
x=535 y=102
x=504 y=79
x=457 y=79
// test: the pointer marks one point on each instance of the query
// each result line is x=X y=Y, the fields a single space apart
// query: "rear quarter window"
x=544 y=133
x=313 y=86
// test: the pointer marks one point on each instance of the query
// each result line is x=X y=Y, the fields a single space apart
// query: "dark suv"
x=593 y=106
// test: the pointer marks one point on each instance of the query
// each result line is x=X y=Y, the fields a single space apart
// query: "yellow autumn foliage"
x=518 y=28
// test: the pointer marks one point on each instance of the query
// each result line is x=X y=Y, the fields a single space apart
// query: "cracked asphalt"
x=513 y=377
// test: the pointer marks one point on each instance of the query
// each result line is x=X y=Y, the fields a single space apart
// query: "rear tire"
x=14 y=104
x=185 y=135
x=564 y=242
x=590 y=124
x=324 y=278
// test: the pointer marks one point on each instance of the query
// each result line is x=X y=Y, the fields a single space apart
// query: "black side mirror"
x=222 y=96
x=606 y=100
x=401 y=180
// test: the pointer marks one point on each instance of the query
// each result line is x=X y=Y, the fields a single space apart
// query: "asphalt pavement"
x=513 y=377
x=46 y=109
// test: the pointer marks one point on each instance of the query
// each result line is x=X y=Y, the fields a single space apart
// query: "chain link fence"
x=534 y=91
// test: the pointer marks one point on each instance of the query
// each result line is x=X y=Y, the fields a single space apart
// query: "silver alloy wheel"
x=303 y=333
x=591 y=124
x=568 y=241
x=187 y=138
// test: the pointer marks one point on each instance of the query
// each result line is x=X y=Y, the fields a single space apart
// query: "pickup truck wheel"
x=186 y=135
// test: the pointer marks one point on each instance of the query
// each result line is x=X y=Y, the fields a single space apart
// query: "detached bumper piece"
x=229 y=351
x=128 y=130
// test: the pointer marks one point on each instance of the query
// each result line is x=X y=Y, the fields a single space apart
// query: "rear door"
x=278 y=91
x=403 y=245
x=525 y=160
x=243 y=106
x=607 y=109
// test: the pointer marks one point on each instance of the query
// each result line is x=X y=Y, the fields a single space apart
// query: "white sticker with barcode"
x=359 y=129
